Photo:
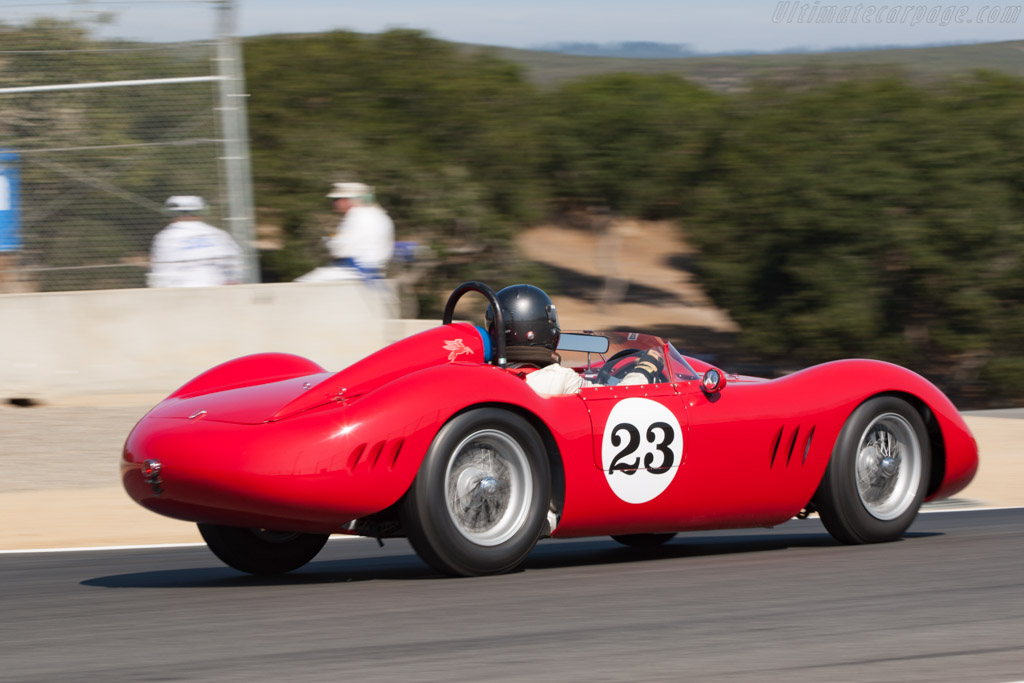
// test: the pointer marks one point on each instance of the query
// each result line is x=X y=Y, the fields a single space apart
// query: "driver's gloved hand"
x=649 y=364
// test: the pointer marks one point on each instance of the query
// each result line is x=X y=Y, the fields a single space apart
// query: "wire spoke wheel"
x=488 y=487
x=888 y=467
x=481 y=495
x=878 y=474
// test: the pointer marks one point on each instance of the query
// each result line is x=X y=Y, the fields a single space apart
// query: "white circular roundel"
x=641 y=450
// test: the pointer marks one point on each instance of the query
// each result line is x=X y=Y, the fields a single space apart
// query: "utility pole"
x=235 y=133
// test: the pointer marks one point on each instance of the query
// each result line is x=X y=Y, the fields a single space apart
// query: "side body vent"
x=775 y=448
x=788 y=441
x=374 y=455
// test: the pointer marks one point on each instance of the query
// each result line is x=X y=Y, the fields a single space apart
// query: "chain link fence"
x=94 y=136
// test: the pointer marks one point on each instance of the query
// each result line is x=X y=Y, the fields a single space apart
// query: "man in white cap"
x=191 y=253
x=364 y=240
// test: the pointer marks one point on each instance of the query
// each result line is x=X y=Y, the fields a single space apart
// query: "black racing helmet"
x=531 y=324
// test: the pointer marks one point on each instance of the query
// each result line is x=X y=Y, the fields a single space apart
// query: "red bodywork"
x=274 y=441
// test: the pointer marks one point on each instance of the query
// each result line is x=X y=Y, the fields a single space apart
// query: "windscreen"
x=629 y=342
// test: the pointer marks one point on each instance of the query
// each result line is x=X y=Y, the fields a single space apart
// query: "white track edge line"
x=82 y=549
x=152 y=546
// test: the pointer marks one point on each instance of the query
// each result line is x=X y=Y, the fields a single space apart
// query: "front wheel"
x=878 y=474
x=481 y=496
x=643 y=540
x=261 y=551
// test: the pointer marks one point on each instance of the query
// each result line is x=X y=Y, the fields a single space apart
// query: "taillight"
x=151 y=475
x=151 y=471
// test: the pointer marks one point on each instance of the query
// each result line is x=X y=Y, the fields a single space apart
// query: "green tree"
x=635 y=144
x=871 y=217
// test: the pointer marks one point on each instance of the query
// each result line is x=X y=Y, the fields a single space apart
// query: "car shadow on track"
x=393 y=568
x=398 y=563
x=595 y=552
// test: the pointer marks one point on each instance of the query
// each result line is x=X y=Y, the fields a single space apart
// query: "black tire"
x=258 y=551
x=480 y=499
x=644 y=540
x=878 y=474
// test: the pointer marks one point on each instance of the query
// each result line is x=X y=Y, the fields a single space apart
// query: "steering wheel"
x=498 y=333
x=605 y=373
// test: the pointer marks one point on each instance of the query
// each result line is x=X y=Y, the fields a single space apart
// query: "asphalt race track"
x=946 y=603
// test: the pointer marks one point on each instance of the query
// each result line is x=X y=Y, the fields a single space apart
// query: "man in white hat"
x=191 y=253
x=364 y=240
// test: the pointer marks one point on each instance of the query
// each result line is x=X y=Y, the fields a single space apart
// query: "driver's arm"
x=646 y=370
x=553 y=380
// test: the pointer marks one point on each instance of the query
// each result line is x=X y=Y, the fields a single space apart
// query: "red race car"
x=442 y=438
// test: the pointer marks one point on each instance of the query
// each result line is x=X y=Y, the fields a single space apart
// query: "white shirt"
x=190 y=253
x=366 y=235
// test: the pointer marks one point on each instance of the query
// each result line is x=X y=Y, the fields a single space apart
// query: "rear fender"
x=433 y=396
x=457 y=343
x=259 y=368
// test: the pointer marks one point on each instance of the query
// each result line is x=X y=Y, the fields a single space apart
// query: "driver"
x=531 y=337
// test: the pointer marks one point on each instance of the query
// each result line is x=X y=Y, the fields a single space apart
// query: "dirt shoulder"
x=631 y=273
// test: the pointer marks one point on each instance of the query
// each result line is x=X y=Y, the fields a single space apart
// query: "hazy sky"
x=705 y=25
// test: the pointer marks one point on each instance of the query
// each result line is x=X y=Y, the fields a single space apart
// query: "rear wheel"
x=480 y=499
x=644 y=540
x=261 y=551
x=876 y=479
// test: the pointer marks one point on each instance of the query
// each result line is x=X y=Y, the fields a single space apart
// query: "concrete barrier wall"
x=153 y=340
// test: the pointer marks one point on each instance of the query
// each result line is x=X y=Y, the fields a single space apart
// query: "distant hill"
x=726 y=73
x=628 y=50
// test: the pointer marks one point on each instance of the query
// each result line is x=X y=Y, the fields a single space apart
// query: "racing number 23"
x=663 y=446
x=641 y=449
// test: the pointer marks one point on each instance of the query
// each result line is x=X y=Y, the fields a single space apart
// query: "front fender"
x=954 y=449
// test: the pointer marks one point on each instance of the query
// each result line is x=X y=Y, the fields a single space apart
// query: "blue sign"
x=10 y=206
